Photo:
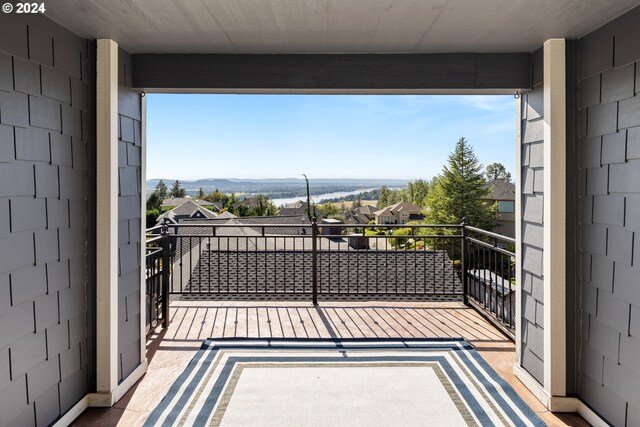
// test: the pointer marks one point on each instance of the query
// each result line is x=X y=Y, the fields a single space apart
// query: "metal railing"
x=409 y=261
x=157 y=278
x=317 y=260
x=491 y=276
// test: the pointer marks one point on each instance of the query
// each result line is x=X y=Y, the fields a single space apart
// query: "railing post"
x=463 y=263
x=314 y=261
x=166 y=260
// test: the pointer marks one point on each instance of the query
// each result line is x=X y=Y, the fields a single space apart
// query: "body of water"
x=319 y=197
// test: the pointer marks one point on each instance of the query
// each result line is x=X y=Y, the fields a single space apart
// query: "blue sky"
x=324 y=136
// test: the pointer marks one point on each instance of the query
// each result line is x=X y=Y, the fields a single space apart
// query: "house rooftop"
x=177 y=201
x=189 y=209
x=398 y=207
x=501 y=189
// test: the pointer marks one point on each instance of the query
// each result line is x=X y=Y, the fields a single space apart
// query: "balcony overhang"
x=346 y=73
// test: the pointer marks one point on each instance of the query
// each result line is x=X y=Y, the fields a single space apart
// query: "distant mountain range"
x=278 y=187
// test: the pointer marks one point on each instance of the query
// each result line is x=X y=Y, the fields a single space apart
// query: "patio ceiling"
x=333 y=26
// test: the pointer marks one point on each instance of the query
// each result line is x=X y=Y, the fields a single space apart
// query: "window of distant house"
x=506 y=206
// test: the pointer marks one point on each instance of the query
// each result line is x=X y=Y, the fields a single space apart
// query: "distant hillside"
x=278 y=187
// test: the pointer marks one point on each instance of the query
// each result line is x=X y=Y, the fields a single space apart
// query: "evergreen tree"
x=200 y=194
x=384 y=197
x=154 y=201
x=497 y=171
x=177 y=191
x=417 y=192
x=357 y=202
x=161 y=189
x=459 y=191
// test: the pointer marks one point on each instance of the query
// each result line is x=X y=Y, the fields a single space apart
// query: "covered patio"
x=73 y=149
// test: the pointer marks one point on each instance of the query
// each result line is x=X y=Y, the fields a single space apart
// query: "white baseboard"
x=73 y=413
x=102 y=399
x=532 y=384
x=558 y=403
x=106 y=400
x=591 y=417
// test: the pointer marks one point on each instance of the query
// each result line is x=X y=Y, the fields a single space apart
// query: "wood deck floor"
x=170 y=350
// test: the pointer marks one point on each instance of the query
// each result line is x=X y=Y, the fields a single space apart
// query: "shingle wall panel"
x=598 y=180
x=609 y=405
x=626 y=283
x=624 y=178
x=28 y=213
x=13 y=403
x=16 y=251
x=633 y=142
x=536 y=155
x=26 y=77
x=71 y=121
x=46 y=181
x=612 y=311
x=47 y=245
x=41 y=377
x=591 y=153
x=46 y=311
x=57 y=213
x=46 y=406
x=629 y=114
x=56 y=84
x=5 y=224
x=14 y=109
x=6 y=72
x=619 y=245
x=634 y=321
x=629 y=350
x=22 y=315
x=79 y=152
x=600 y=41
x=590 y=91
x=7 y=152
x=27 y=284
x=608 y=210
x=27 y=352
x=57 y=275
x=618 y=84
x=60 y=149
x=16 y=179
x=625 y=29
x=44 y=113
x=602 y=272
x=32 y=144
x=614 y=147
x=602 y=119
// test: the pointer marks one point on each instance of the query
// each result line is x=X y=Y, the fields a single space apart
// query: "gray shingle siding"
x=609 y=229
x=129 y=119
x=532 y=136
x=43 y=300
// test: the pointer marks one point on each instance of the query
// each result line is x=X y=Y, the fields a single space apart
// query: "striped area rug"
x=341 y=382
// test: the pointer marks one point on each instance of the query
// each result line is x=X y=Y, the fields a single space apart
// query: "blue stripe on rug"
x=506 y=388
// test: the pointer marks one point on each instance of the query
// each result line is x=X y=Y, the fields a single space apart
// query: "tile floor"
x=170 y=350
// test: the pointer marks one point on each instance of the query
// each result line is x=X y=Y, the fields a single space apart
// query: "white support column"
x=107 y=221
x=554 y=255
